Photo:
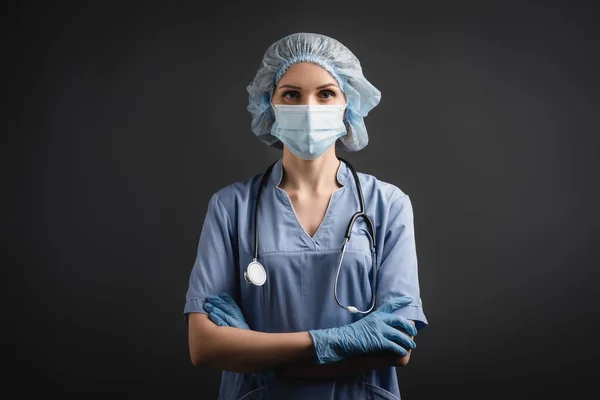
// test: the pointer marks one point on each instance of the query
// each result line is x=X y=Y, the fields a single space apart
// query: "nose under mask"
x=308 y=130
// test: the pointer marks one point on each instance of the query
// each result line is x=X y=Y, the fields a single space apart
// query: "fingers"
x=398 y=337
x=221 y=316
x=216 y=320
x=395 y=348
x=213 y=317
x=398 y=321
x=395 y=304
x=220 y=303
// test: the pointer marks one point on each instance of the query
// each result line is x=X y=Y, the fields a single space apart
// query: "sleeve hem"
x=414 y=313
x=194 y=305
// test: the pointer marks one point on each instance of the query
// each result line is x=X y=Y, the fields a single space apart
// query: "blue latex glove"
x=223 y=311
x=375 y=332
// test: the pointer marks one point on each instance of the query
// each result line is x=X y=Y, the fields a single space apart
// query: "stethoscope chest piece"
x=255 y=273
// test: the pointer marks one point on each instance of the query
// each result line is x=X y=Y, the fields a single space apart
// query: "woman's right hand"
x=373 y=333
x=224 y=311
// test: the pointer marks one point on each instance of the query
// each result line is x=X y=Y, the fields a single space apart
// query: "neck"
x=310 y=175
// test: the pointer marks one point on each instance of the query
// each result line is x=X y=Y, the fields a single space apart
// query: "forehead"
x=306 y=74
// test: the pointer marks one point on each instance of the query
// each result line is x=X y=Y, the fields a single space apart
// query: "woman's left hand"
x=223 y=311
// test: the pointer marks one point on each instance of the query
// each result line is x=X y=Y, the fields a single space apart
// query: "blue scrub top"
x=298 y=293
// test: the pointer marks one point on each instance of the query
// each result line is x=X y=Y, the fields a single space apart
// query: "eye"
x=327 y=94
x=291 y=94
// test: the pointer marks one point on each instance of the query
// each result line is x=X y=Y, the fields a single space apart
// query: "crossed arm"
x=247 y=351
x=292 y=354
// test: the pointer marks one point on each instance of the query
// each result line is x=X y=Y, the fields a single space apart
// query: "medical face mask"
x=308 y=130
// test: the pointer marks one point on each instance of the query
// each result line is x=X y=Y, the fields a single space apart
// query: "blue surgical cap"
x=335 y=58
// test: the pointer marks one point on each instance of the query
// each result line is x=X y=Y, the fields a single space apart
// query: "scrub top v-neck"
x=289 y=205
x=298 y=293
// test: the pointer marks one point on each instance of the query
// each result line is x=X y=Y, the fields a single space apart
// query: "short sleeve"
x=398 y=271
x=214 y=268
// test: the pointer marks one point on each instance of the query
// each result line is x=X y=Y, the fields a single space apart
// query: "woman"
x=287 y=335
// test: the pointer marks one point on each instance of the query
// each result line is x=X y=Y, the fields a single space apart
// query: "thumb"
x=394 y=304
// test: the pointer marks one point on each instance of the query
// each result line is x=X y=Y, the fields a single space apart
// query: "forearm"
x=246 y=351
x=347 y=368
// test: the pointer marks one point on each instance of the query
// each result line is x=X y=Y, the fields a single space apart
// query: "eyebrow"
x=299 y=88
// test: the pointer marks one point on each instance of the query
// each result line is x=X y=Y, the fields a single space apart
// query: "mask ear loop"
x=344 y=119
x=273 y=109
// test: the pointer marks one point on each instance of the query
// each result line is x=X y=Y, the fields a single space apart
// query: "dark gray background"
x=125 y=119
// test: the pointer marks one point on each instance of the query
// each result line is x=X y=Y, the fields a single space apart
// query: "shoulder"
x=381 y=191
x=237 y=193
x=389 y=205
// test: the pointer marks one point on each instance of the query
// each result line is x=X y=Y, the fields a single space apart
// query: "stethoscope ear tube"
x=255 y=273
x=256 y=204
x=371 y=235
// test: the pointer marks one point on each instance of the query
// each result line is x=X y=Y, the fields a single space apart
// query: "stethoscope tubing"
x=360 y=214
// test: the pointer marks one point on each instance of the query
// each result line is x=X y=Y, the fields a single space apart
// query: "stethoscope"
x=257 y=275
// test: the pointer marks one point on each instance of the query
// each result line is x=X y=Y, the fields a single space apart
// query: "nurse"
x=286 y=335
